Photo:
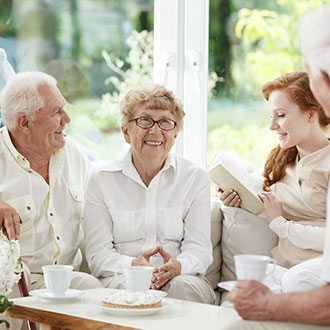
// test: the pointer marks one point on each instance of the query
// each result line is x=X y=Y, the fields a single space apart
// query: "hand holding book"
x=230 y=197
x=227 y=174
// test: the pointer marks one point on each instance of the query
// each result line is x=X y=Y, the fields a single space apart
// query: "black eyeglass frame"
x=154 y=122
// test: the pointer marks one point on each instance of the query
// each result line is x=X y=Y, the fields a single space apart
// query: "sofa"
x=235 y=231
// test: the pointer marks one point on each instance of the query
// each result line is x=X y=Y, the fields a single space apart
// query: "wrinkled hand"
x=272 y=206
x=9 y=221
x=167 y=271
x=252 y=300
x=319 y=83
x=230 y=197
x=144 y=258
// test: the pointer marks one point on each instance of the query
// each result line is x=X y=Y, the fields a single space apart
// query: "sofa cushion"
x=243 y=233
x=213 y=272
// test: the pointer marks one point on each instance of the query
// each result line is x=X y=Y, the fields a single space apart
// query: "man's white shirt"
x=51 y=213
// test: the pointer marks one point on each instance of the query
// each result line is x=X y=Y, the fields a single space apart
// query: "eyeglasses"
x=146 y=122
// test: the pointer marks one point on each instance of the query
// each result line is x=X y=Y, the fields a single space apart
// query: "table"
x=82 y=314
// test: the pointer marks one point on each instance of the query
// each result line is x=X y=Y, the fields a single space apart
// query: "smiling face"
x=46 y=130
x=152 y=143
x=290 y=123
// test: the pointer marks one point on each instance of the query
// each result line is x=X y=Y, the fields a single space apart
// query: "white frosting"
x=132 y=298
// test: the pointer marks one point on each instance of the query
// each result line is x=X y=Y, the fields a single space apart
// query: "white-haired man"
x=253 y=300
x=43 y=178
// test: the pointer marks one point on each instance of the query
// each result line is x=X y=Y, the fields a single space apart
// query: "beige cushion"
x=243 y=233
x=213 y=272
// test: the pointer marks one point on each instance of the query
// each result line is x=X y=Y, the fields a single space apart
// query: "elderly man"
x=43 y=178
x=252 y=299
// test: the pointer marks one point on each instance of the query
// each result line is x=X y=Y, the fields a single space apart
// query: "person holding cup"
x=252 y=299
x=150 y=204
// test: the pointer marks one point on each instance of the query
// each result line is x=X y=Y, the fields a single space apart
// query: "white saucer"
x=68 y=295
x=227 y=285
x=134 y=311
x=230 y=286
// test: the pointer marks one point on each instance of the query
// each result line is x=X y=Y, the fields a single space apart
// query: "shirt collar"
x=124 y=163
x=9 y=144
x=57 y=157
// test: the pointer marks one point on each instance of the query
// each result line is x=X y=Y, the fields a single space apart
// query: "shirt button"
x=51 y=214
x=55 y=262
x=28 y=207
x=30 y=171
x=57 y=238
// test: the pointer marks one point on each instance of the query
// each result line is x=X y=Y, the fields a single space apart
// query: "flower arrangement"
x=10 y=273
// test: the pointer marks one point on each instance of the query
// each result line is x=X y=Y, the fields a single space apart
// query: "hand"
x=166 y=272
x=252 y=300
x=319 y=83
x=144 y=258
x=272 y=206
x=230 y=197
x=9 y=221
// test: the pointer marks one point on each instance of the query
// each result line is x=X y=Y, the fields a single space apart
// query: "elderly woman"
x=151 y=202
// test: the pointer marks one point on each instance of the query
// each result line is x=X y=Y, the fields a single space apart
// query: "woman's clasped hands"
x=162 y=274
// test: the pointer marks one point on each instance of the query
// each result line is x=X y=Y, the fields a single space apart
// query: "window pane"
x=251 y=43
x=95 y=50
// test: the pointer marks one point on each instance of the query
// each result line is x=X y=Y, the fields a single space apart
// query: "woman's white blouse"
x=123 y=217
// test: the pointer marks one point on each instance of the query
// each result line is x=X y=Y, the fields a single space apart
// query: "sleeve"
x=196 y=249
x=101 y=256
x=325 y=275
x=302 y=236
x=7 y=72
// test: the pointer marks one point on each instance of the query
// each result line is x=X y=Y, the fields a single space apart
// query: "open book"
x=227 y=173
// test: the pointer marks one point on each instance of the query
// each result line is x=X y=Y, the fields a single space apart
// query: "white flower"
x=10 y=264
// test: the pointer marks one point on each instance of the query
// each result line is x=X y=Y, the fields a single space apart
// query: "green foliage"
x=139 y=72
x=240 y=126
x=269 y=43
x=4 y=304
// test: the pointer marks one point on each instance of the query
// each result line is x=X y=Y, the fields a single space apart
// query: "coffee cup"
x=137 y=278
x=253 y=267
x=57 y=278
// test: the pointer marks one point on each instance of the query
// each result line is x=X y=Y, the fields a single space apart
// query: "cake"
x=127 y=299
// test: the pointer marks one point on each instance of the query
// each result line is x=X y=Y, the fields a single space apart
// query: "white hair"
x=315 y=38
x=21 y=95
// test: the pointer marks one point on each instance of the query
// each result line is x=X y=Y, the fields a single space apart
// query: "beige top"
x=303 y=193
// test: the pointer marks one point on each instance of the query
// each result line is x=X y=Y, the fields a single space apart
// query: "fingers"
x=230 y=198
x=166 y=256
x=164 y=274
x=11 y=224
x=148 y=253
x=17 y=225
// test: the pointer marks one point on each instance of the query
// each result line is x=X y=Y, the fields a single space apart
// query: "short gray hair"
x=21 y=95
x=315 y=38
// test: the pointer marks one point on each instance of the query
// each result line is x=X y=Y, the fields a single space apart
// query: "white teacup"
x=253 y=267
x=137 y=278
x=57 y=278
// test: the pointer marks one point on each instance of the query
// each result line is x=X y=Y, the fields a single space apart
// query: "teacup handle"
x=272 y=262
x=118 y=279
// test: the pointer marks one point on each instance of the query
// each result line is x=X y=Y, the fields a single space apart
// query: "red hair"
x=296 y=85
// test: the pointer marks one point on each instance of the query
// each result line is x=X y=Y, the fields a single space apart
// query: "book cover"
x=227 y=173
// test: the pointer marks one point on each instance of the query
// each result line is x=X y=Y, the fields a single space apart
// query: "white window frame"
x=181 y=65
